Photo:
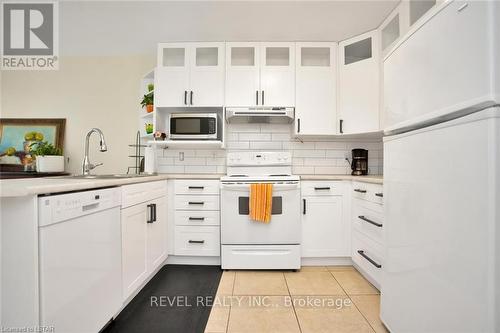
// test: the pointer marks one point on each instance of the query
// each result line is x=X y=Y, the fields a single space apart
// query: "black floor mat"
x=175 y=300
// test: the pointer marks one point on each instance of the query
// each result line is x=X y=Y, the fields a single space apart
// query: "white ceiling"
x=135 y=27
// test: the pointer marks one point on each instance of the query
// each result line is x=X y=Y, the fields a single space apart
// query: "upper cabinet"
x=359 y=84
x=260 y=74
x=315 y=88
x=190 y=74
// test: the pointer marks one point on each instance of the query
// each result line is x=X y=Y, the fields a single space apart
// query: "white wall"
x=89 y=92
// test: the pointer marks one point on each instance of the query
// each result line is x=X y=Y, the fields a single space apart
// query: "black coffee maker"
x=359 y=164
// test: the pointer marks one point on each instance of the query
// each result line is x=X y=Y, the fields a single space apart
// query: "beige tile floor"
x=315 y=299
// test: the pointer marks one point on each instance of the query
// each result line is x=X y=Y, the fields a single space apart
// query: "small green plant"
x=151 y=87
x=45 y=149
x=147 y=100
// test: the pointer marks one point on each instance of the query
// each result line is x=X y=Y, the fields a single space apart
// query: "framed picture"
x=18 y=134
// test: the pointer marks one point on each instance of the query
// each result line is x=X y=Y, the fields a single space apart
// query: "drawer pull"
x=373 y=262
x=196 y=241
x=196 y=219
x=196 y=202
x=196 y=187
x=379 y=195
x=322 y=188
x=359 y=190
x=362 y=217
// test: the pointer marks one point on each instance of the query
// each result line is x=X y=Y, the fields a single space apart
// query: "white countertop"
x=35 y=186
x=374 y=179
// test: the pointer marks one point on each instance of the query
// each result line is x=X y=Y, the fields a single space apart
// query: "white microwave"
x=193 y=126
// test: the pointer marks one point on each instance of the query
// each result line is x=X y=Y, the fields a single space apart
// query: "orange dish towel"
x=261 y=201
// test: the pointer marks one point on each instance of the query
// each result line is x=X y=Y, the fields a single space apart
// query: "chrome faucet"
x=87 y=166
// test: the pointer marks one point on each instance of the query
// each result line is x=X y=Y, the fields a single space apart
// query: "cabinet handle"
x=359 y=190
x=154 y=212
x=362 y=217
x=263 y=97
x=304 y=207
x=196 y=241
x=196 y=202
x=196 y=187
x=370 y=260
x=150 y=213
x=185 y=97
x=196 y=219
x=322 y=188
x=256 y=97
x=191 y=97
x=298 y=125
x=341 y=126
x=379 y=195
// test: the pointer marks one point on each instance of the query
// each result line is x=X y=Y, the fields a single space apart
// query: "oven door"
x=193 y=126
x=237 y=228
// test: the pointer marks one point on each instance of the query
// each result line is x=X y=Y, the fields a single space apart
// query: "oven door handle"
x=276 y=187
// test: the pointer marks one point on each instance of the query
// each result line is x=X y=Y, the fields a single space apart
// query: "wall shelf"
x=201 y=144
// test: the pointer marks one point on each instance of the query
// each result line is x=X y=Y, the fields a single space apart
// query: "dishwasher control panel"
x=60 y=207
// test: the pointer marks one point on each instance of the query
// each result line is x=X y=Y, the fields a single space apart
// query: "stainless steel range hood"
x=261 y=114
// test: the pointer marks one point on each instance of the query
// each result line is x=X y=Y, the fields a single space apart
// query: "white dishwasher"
x=80 y=259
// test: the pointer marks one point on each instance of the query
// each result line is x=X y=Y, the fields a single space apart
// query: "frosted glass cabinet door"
x=207 y=67
x=359 y=84
x=172 y=75
x=277 y=74
x=242 y=74
x=315 y=93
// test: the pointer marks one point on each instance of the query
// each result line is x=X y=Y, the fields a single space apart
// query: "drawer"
x=137 y=193
x=367 y=219
x=196 y=187
x=197 y=202
x=197 y=217
x=197 y=241
x=320 y=188
x=371 y=192
x=368 y=255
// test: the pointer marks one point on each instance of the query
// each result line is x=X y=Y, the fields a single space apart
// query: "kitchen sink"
x=109 y=176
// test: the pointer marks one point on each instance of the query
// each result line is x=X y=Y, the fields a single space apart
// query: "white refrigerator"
x=442 y=227
x=441 y=271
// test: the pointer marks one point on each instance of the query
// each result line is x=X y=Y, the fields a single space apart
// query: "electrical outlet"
x=181 y=156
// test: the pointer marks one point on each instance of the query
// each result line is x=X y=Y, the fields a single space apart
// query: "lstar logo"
x=30 y=32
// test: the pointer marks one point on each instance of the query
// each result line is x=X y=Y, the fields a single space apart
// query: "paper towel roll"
x=149 y=160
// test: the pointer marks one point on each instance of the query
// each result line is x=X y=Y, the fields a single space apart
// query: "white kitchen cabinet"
x=134 y=236
x=157 y=235
x=197 y=218
x=260 y=74
x=315 y=88
x=190 y=74
x=144 y=233
x=359 y=84
x=325 y=232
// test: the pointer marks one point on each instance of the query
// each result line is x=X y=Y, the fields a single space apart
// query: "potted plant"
x=148 y=99
x=48 y=158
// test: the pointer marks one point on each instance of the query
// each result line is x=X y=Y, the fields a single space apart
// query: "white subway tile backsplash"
x=320 y=162
x=266 y=145
x=191 y=161
x=200 y=169
x=308 y=153
x=240 y=145
x=255 y=136
x=313 y=156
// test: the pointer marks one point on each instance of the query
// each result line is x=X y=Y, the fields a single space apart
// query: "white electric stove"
x=248 y=244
